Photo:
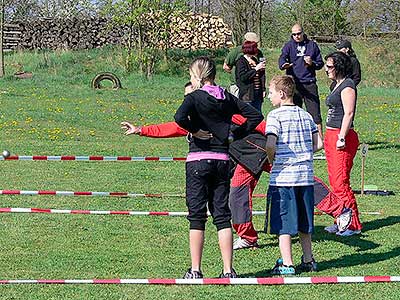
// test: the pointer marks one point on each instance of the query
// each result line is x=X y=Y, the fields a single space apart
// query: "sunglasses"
x=297 y=33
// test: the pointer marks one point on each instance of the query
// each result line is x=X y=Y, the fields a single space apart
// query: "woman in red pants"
x=341 y=143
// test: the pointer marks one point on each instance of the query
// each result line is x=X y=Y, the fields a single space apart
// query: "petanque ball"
x=6 y=153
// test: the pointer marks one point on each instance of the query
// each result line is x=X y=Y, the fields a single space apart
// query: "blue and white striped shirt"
x=293 y=163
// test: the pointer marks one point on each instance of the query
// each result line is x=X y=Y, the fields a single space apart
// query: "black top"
x=200 y=110
x=245 y=79
x=335 y=105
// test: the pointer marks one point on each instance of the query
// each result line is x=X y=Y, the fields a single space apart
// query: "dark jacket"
x=200 y=110
x=244 y=79
x=356 y=70
x=293 y=53
x=250 y=152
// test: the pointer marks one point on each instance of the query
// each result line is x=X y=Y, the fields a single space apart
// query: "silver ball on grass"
x=6 y=153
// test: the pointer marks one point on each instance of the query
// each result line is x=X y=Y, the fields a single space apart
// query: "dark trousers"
x=207 y=184
x=307 y=93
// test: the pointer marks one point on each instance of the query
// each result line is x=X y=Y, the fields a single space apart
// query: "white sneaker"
x=240 y=243
x=344 y=220
x=348 y=232
x=332 y=229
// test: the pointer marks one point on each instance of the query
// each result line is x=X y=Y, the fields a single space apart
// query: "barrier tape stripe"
x=118 y=212
x=215 y=281
x=118 y=194
x=98 y=212
x=101 y=158
x=91 y=158
x=86 y=193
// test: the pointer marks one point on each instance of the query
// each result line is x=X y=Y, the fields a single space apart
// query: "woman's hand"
x=130 y=129
x=202 y=135
x=260 y=66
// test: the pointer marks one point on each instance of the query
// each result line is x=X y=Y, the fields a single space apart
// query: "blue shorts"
x=292 y=209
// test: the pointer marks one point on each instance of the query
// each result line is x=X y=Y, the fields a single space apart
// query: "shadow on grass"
x=359 y=241
x=358 y=259
x=381 y=145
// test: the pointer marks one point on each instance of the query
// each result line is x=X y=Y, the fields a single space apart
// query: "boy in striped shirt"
x=292 y=137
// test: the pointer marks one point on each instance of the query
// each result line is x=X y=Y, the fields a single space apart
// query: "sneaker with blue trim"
x=282 y=270
x=190 y=274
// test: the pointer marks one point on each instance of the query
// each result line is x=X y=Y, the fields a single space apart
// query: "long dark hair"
x=342 y=64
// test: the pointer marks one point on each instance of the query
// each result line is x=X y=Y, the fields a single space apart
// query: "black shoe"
x=193 y=274
x=231 y=274
x=311 y=266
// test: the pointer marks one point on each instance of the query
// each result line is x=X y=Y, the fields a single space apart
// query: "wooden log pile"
x=199 y=31
x=71 y=33
x=191 y=32
x=11 y=36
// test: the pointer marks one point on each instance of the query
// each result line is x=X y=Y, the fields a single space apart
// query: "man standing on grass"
x=301 y=57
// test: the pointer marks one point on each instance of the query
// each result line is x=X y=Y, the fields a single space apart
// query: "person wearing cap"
x=233 y=56
x=345 y=47
x=301 y=58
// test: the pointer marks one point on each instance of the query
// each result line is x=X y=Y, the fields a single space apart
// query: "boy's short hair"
x=284 y=83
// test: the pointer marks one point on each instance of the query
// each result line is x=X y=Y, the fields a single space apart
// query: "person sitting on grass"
x=292 y=137
x=206 y=113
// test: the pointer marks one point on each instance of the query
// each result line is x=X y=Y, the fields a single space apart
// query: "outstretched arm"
x=164 y=130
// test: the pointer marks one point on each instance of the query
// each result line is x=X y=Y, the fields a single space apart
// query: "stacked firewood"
x=189 y=32
x=67 y=34
x=11 y=36
x=199 y=32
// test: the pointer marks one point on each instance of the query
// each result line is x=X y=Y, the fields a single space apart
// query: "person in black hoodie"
x=206 y=113
x=345 y=47
x=301 y=57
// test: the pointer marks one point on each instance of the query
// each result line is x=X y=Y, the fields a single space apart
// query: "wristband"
x=341 y=142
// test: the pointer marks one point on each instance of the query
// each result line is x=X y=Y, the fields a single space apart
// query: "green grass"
x=56 y=113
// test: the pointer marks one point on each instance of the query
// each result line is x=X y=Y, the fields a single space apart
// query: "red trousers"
x=243 y=184
x=339 y=164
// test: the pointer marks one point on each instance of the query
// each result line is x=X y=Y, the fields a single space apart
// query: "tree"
x=27 y=9
x=243 y=16
x=369 y=16
x=148 y=28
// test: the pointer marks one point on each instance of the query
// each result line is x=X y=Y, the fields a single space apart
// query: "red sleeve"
x=239 y=120
x=165 y=130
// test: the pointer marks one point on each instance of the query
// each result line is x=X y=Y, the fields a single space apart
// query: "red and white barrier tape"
x=118 y=212
x=98 y=212
x=216 y=281
x=86 y=193
x=91 y=158
x=101 y=158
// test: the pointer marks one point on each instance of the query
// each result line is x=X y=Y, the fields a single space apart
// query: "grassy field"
x=57 y=113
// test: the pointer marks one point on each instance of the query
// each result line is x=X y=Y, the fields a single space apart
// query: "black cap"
x=342 y=44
